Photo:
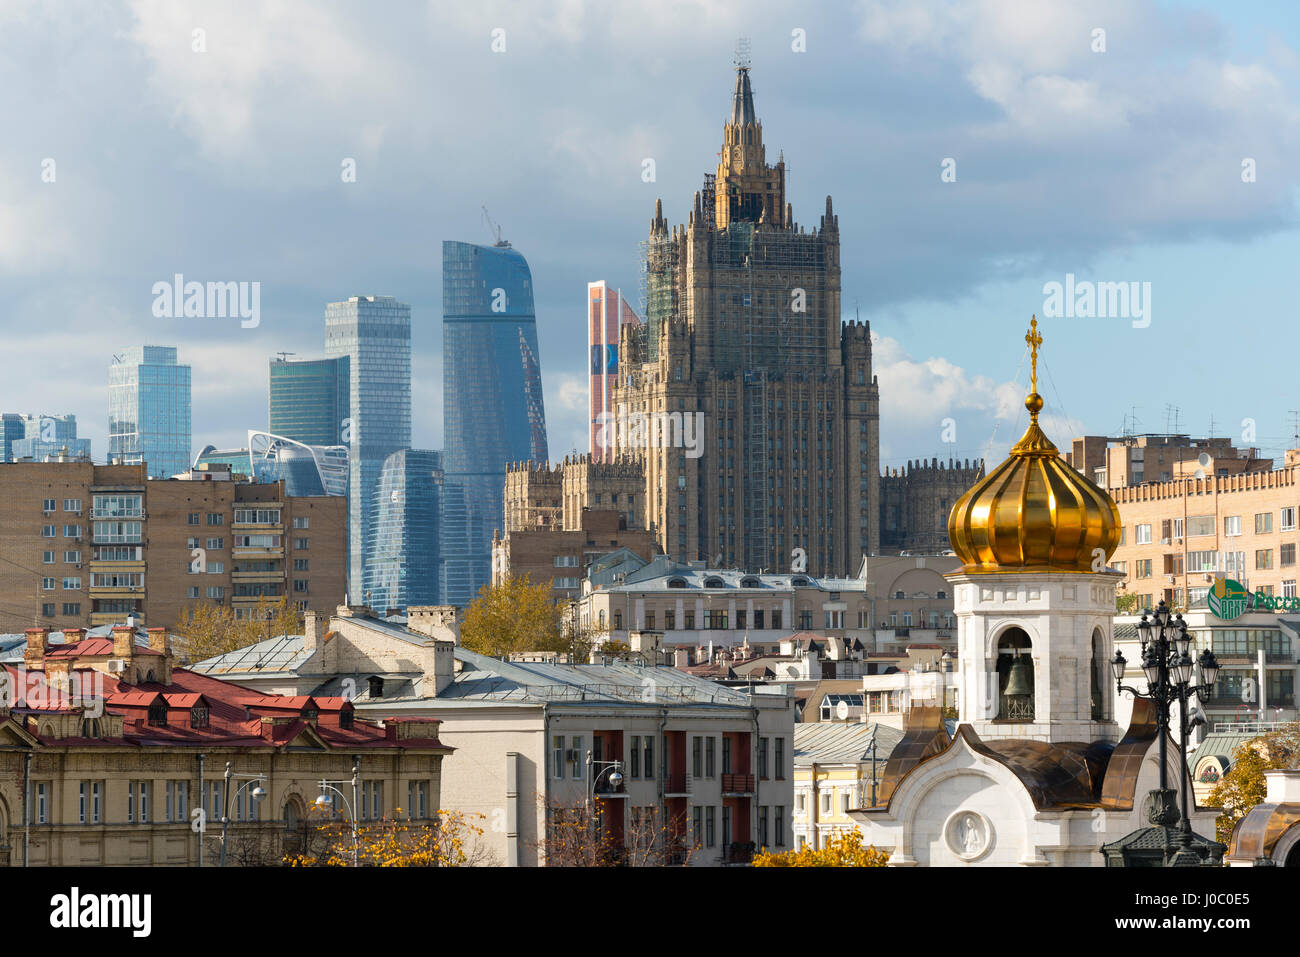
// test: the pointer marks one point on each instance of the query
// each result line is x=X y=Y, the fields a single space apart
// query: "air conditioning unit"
x=116 y=665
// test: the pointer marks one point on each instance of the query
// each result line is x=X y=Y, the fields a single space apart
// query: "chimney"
x=681 y=658
x=58 y=676
x=444 y=665
x=441 y=622
x=161 y=642
x=73 y=635
x=311 y=631
x=124 y=650
x=38 y=643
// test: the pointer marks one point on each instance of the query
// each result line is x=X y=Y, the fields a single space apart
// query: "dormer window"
x=90 y=727
x=714 y=582
x=376 y=686
x=158 y=714
x=199 y=716
x=309 y=714
x=346 y=718
x=677 y=583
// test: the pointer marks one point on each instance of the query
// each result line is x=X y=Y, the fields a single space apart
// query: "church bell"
x=1018 y=684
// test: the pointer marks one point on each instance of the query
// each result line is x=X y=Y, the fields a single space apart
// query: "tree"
x=576 y=836
x=1126 y=604
x=452 y=840
x=842 y=850
x=513 y=616
x=1243 y=787
x=207 y=629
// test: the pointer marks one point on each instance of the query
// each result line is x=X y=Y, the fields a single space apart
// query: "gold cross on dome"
x=1033 y=340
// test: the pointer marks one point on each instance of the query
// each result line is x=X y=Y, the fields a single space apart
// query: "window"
x=805 y=620
x=72 y=505
x=1263 y=523
x=670 y=620
x=1205 y=561
x=690 y=621
x=577 y=758
x=300 y=544
x=137 y=802
x=1286 y=555
x=780 y=825
x=697 y=823
x=634 y=756
x=301 y=564
x=48 y=531
x=1231 y=525
x=762 y=826
x=710 y=825
x=776 y=618
x=216 y=592
x=650 y=621
x=417 y=800
x=648 y=756
x=193 y=519
x=215 y=544
x=73 y=557
x=118 y=533
x=42 y=802
x=252 y=516
x=1288 y=519
x=216 y=518
x=1200 y=525
x=47 y=558
x=1142 y=534
x=90 y=802
x=47 y=609
x=216 y=568
x=557 y=756
x=780 y=758
x=48 y=506
x=72 y=608
x=1264 y=556
x=193 y=591
x=697 y=764
x=372 y=801
x=300 y=585
x=48 y=584
x=826 y=803
x=71 y=531
x=1142 y=568
x=762 y=759
x=300 y=521
x=710 y=757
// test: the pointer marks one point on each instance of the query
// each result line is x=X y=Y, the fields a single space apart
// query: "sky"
x=976 y=152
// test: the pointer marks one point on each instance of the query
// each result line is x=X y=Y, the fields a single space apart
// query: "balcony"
x=738 y=784
x=677 y=785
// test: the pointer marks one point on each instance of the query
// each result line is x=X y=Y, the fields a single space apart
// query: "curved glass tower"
x=402 y=567
x=493 y=412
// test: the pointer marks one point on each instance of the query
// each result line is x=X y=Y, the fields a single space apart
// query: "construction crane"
x=494 y=229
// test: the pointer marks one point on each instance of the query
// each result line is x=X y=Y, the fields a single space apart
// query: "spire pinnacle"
x=1034 y=401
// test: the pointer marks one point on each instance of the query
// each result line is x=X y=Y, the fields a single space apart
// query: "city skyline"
x=1002 y=231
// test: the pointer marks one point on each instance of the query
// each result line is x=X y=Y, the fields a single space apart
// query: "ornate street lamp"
x=1169 y=670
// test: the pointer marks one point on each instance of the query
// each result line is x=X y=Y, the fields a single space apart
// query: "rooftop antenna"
x=1295 y=429
x=284 y=356
x=493 y=228
x=742 y=53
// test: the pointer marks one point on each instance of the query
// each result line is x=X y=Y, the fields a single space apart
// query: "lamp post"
x=256 y=794
x=1168 y=667
x=327 y=802
x=611 y=768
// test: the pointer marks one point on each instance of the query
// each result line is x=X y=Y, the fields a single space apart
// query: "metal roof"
x=840 y=742
x=283 y=653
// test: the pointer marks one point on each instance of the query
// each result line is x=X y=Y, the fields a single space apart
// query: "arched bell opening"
x=1015 y=676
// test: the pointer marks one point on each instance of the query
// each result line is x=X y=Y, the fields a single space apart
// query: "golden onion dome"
x=1034 y=512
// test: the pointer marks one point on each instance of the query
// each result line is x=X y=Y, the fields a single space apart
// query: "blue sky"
x=1122 y=165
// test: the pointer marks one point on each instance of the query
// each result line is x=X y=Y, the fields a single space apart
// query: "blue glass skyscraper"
x=44 y=435
x=493 y=412
x=149 y=410
x=309 y=399
x=374 y=333
x=402 y=566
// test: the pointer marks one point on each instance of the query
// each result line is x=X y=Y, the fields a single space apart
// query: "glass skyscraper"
x=493 y=412
x=309 y=399
x=374 y=334
x=402 y=566
x=42 y=435
x=149 y=410
x=12 y=426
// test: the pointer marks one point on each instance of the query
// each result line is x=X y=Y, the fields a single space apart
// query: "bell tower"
x=1034 y=598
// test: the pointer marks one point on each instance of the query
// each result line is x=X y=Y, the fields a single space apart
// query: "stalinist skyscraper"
x=743 y=337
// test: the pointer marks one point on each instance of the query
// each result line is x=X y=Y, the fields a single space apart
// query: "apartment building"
x=114 y=755
x=835 y=767
x=1117 y=462
x=893 y=600
x=561 y=556
x=705 y=769
x=86 y=545
x=1178 y=535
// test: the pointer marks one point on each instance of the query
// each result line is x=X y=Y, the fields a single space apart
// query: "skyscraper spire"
x=742 y=101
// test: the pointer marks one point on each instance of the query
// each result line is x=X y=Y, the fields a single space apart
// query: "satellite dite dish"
x=842 y=711
x=1199 y=474
x=1203 y=460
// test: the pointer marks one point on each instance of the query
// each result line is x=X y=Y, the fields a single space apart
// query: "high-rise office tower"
x=12 y=426
x=607 y=313
x=493 y=412
x=374 y=333
x=48 y=435
x=760 y=431
x=309 y=399
x=402 y=567
x=149 y=410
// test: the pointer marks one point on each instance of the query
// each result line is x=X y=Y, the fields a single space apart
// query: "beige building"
x=86 y=545
x=561 y=556
x=706 y=765
x=111 y=754
x=893 y=601
x=749 y=402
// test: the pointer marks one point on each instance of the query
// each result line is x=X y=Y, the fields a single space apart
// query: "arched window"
x=677 y=583
x=750 y=582
x=714 y=582
x=1098 y=673
x=1015 y=676
x=601 y=618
